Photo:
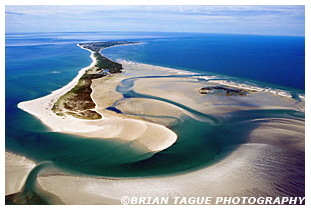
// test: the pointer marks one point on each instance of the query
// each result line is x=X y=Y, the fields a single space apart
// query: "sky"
x=260 y=20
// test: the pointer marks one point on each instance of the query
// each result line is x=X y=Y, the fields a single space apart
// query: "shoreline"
x=152 y=137
x=255 y=86
x=54 y=95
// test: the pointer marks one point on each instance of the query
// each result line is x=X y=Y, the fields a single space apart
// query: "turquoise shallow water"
x=37 y=64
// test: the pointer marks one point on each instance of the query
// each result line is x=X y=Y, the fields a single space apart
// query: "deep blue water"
x=37 y=64
x=270 y=59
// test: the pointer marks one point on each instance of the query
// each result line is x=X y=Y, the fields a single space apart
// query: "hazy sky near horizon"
x=263 y=20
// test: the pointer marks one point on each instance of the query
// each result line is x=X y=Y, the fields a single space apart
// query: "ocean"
x=273 y=60
x=38 y=63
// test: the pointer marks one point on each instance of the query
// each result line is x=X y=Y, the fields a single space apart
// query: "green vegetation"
x=78 y=102
x=104 y=63
x=221 y=90
x=98 y=46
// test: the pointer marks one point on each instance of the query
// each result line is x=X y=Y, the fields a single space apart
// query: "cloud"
x=193 y=10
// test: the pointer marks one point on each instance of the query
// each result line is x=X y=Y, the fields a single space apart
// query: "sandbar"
x=17 y=169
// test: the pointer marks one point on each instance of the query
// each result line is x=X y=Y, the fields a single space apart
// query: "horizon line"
x=192 y=32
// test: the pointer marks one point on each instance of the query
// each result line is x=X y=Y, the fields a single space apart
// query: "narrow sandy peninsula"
x=72 y=110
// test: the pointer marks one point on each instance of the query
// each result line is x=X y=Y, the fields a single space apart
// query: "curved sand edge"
x=17 y=169
x=244 y=173
x=152 y=136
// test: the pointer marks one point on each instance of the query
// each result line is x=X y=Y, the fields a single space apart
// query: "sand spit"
x=152 y=136
x=17 y=169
